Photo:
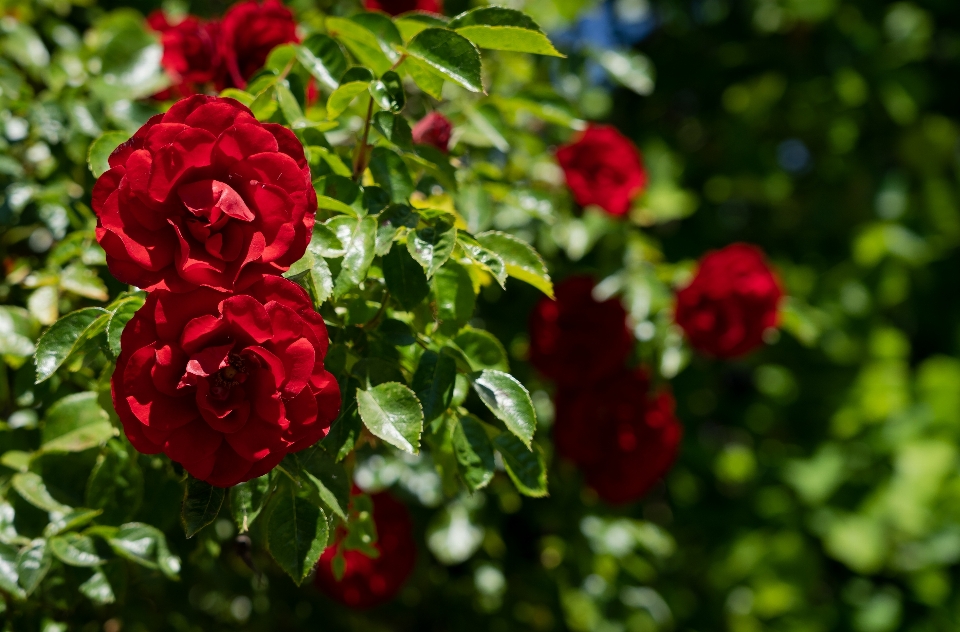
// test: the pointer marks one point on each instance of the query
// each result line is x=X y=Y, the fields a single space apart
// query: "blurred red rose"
x=577 y=339
x=733 y=298
x=622 y=437
x=433 y=129
x=249 y=31
x=226 y=384
x=204 y=195
x=396 y=7
x=191 y=53
x=367 y=581
x=604 y=168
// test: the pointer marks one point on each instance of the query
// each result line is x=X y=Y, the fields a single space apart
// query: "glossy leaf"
x=98 y=589
x=526 y=467
x=323 y=58
x=387 y=92
x=9 y=577
x=390 y=222
x=405 y=278
x=359 y=240
x=75 y=549
x=121 y=316
x=33 y=562
x=247 y=500
x=326 y=478
x=482 y=350
x=391 y=173
x=65 y=336
x=343 y=96
x=432 y=246
x=500 y=28
x=387 y=35
x=426 y=78
x=485 y=258
x=201 y=504
x=392 y=412
x=508 y=400
x=364 y=45
x=453 y=297
x=450 y=55
x=33 y=490
x=394 y=128
x=433 y=383
x=521 y=260
x=474 y=452
x=296 y=533
x=116 y=483
x=146 y=545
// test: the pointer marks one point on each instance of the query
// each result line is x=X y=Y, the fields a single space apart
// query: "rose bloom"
x=577 y=339
x=396 y=7
x=249 y=31
x=191 y=53
x=733 y=298
x=433 y=129
x=226 y=384
x=622 y=436
x=204 y=195
x=604 y=168
x=367 y=581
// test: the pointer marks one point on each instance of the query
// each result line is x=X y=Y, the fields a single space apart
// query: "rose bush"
x=733 y=299
x=204 y=195
x=367 y=580
x=248 y=32
x=191 y=53
x=603 y=168
x=621 y=434
x=576 y=339
x=226 y=384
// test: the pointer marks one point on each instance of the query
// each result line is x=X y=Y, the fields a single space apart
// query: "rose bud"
x=603 y=168
x=191 y=53
x=577 y=339
x=249 y=31
x=622 y=437
x=367 y=581
x=433 y=129
x=396 y=7
x=733 y=299
x=225 y=384
x=204 y=195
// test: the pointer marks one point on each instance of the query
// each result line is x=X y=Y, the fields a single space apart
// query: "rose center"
x=229 y=376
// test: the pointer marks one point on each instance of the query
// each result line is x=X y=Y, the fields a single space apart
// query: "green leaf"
x=324 y=477
x=70 y=413
x=411 y=24
x=526 y=468
x=508 y=400
x=146 y=546
x=66 y=336
x=486 y=259
x=405 y=278
x=390 y=221
x=99 y=153
x=116 y=484
x=391 y=173
x=33 y=562
x=16 y=460
x=449 y=54
x=474 y=452
x=60 y=522
x=265 y=105
x=364 y=45
x=121 y=316
x=394 y=128
x=332 y=204
x=323 y=58
x=454 y=297
x=343 y=96
x=387 y=92
x=344 y=432
x=397 y=333
x=432 y=246
x=296 y=533
x=33 y=490
x=83 y=281
x=9 y=578
x=75 y=550
x=383 y=28
x=18 y=330
x=242 y=96
x=433 y=383
x=313 y=274
x=375 y=371
x=97 y=589
x=426 y=78
x=288 y=103
x=522 y=261
x=392 y=412
x=201 y=504
x=358 y=237
x=499 y=28
x=335 y=162
x=630 y=69
x=482 y=350
x=247 y=500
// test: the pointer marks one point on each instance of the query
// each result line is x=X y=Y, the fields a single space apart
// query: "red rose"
x=733 y=298
x=604 y=168
x=249 y=32
x=576 y=339
x=396 y=7
x=622 y=437
x=202 y=194
x=191 y=53
x=370 y=581
x=226 y=384
x=433 y=129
